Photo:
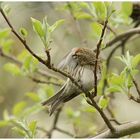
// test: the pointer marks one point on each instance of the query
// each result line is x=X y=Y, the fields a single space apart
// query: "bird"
x=80 y=63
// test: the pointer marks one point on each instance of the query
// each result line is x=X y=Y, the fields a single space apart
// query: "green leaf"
x=32 y=127
x=101 y=11
x=23 y=32
x=7 y=46
x=116 y=80
x=19 y=131
x=5 y=33
x=4 y=123
x=32 y=110
x=29 y=65
x=89 y=109
x=82 y=15
x=18 y=108
x=69 y=112
x=135 y=60
x=33 y=96
x=49 y=90
x=97 y=29
x=126 y=8
x=37 y=26
x=23 y=55
x=114 y=88
x=55 y=25
x=103 y=102
x=72 y=113
x=12 y=68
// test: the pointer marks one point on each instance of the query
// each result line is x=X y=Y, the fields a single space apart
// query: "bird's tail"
x=52 y=99
x=60 y=101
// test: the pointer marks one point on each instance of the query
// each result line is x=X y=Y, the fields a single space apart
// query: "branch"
x=11 y=58
x=56 y=118
x=136 y=86
x=15 y=60
x=106 y=120
x=121 y=36
x=121 y=130
x=97 y=55
x=22 y=40
x=43 y=82
x=64 y=132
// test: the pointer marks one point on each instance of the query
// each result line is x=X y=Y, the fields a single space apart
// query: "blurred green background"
x=66 y=37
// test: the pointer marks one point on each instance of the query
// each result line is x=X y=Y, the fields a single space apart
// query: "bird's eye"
x=74 y=56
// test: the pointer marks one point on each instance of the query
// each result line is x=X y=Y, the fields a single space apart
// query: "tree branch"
x=65 y=132
x=15 y=60
x=106 y=120
x=97 y=55
x=56 y=118
x=43 y=82
x=121 y=36
x=121 y=130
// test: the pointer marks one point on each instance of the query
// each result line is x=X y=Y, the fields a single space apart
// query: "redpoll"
x=80 y=63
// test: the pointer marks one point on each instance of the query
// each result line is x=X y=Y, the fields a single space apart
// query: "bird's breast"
x=87 y=77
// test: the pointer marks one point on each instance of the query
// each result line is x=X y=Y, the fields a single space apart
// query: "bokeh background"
x=13 y=89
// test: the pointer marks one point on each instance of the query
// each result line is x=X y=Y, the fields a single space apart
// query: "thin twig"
x=22 y=40
x=110 y=126
x=136 y=86
x=114 y=120
x=56 y=118
x=15 y=60
x=97 y=55
x=64 y=131
x=121 y=36
x=43 y=82
x=131 y=97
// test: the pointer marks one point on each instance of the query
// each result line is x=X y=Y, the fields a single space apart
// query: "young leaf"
x=12 y=68
x=97 y=29
x=32 y=127
x=127 y=8
x=103 y=102
x=23 y=55
x=7 y=46
x=32 y=110
x=33 y=96
x=56 y=24
x=101 y=11
x=82 y=15
x=4 y=123
x=135 y=60
x=23 y=32
x=18 y=108
x=19 y=131
x=37 y=26
x=4 y=32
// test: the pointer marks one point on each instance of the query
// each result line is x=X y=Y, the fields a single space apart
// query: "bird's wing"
x=55 y=97
x=68 y=63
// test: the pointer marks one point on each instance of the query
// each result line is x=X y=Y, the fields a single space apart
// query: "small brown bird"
x=80 y=63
